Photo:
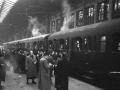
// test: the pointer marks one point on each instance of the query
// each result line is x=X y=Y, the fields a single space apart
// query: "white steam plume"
x=66 y=8
x=35 y=27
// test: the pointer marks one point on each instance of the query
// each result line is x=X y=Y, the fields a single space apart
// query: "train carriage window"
x=79 y=21
x=78 y=44
x=50 y=44
x=71 y=24
x=116 y=42
x=90 y=15
x=89 y=43
x=103 y=44
x=41 y=44
x=116 y=12
x=61 y=41
x=103 y=10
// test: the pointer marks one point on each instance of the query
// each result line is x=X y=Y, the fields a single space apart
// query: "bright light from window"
x=6 y=8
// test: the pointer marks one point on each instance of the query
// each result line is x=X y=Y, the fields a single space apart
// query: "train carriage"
x=37 y=42
x=94 y=49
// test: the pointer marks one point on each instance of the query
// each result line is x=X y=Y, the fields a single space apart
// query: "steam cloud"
x=66 y=8
x=35 y=27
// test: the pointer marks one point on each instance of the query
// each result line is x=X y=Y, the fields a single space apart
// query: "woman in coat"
x=44 y=82
x=31 y=67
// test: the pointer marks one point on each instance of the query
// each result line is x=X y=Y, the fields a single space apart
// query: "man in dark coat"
x=31 y=67
x=63 y=70
x=23 y=58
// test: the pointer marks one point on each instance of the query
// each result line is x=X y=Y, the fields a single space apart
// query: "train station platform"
x=16 y=81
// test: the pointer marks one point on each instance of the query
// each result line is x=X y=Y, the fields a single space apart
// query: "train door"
x=88 y=52
x=115 y=52
x=103 y=59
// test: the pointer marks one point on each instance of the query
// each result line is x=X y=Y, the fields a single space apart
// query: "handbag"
x=46 y=74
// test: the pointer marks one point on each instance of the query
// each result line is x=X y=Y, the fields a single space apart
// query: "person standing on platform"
x=37 y=64
x=44 y=82
x=55 y=70
x=51 y=60
x=23 y=58
x=2 y=70
x=63 y=70
x=31 y=67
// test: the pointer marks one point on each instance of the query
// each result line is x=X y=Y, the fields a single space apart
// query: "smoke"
x=35 y=27
x=66 y=8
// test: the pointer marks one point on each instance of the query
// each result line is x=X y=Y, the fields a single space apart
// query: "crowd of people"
x=44 y=66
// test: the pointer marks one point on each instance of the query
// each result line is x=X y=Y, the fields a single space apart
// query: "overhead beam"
x=2 y=6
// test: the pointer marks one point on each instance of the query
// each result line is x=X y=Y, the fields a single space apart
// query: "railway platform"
x=16 y=81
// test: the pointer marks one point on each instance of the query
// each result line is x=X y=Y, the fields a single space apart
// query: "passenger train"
x=94 y=50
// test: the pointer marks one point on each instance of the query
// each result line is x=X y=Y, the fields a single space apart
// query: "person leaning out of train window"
x=44 y=73
x=63 y=71
x=2 y=70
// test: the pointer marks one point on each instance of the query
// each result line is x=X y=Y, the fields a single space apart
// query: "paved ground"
x=18 y=82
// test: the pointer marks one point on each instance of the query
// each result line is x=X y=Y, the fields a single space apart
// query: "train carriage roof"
x=12 y=42
x=36 y=38
x=101 y=27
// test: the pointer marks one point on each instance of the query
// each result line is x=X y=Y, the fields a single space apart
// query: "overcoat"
x=44 y=82
x=31 y=66
x=55 y=72
x=2 y=69
x=63 y=70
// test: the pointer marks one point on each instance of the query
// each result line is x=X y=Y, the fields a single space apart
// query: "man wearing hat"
x=63 y=69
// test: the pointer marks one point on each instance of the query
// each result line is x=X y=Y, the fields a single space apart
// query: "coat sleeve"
x=27 y=62
x=47 y=66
